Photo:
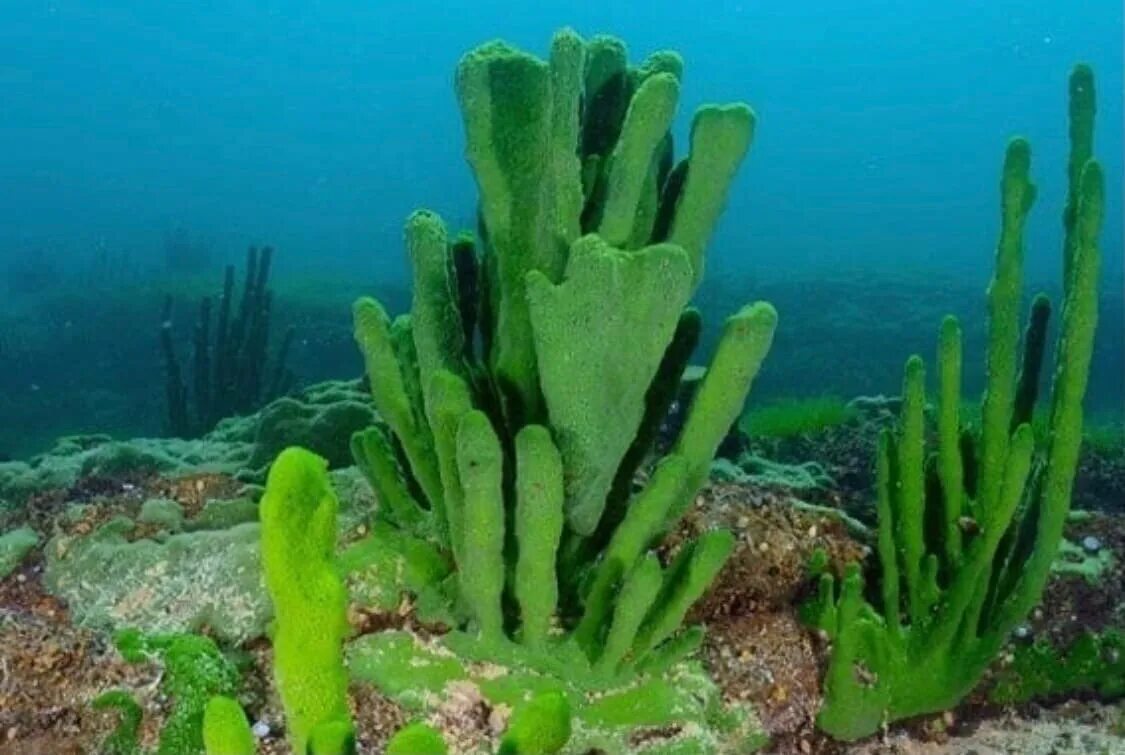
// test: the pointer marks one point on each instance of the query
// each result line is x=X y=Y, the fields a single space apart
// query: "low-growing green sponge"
x=125 y=737
x=541 y=726
x=417 y=739
x=194 y=671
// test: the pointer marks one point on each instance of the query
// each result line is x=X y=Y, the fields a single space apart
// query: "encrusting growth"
x=950 y=594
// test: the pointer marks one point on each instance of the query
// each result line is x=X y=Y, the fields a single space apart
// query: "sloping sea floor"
x=88 y=573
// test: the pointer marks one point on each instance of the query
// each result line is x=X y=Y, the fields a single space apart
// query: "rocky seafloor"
x=162 y=536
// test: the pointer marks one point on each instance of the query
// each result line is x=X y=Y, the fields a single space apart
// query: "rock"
x=208 y=578
x=162 y=512
x=14 y=547
x=321 y=419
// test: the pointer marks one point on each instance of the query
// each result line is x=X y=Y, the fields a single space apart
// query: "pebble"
x=1091 y=544
x=261 y=729
x=1022 y=632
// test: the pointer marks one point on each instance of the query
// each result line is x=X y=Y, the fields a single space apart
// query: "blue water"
x=317 y=126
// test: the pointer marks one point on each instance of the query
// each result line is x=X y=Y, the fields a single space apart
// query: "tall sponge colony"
x=950 y=594
x=523 y=392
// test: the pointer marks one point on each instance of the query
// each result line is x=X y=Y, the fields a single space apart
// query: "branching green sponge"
x=522 y=393
x=967 y=535
x=298 y=515
x=225 y=728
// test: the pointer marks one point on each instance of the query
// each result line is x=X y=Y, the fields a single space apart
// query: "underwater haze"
x=696 y=378
x=132 y=130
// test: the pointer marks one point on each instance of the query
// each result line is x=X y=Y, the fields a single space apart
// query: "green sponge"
x=417 y=739
x=540 y=726
x=225 y=728
x=298 y=515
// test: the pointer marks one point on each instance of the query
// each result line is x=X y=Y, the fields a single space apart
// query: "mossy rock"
x=209 y=578
x=751 y=469
x=321 y=419
x=1074 y=560
x=162 y=512
x=14 y=547
x=75 y=457
x=223 y=513
x=209 y=575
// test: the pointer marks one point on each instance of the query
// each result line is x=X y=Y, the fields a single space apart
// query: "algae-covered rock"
x=751 y=469
x=208 y=575
x=357 y=501
x=14 y=546
x=321 y=419
x=222 y=513
x=1089 y=560
x=208 y=578
x=162 y=512
x=80 y=456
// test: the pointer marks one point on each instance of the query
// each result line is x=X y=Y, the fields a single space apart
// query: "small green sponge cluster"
x=539 y=727
x=194 y=671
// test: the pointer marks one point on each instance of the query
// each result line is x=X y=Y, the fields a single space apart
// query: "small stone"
x=1022 y=632
x=260 y=729
x=498 y=719
x=1091 y=544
